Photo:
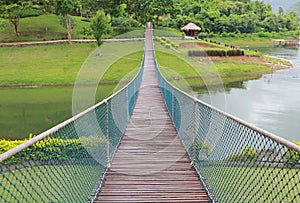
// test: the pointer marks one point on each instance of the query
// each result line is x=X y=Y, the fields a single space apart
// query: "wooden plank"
x=151 y=165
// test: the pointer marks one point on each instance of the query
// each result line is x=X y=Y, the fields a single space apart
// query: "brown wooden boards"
x=151 y=164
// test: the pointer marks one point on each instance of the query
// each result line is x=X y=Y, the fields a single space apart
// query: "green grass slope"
x=44 y=27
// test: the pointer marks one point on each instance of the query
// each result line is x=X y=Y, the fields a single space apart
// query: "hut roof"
x=191 y=26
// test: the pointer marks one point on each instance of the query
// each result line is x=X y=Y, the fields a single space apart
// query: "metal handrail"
x=4 y=156
x=272 y=136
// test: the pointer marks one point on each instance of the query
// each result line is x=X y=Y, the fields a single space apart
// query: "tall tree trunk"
x=16 y=28
x=69 y=28
x=15 y=22
x=99 y=51
x=139 y=18
x=128 y=8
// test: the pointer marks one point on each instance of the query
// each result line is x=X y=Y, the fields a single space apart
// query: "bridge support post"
x=134 y=89
x=107 y=134
x=173 y=104
x=194 y=134
x=127 y=104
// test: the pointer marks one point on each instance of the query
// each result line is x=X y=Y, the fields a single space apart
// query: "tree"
x=64 y=8
x=13 y=10
x=100 y=26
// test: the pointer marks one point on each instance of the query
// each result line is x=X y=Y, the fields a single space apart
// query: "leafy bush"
x=202 y=146
x=293 y=157
x=123 y=24
x=247 y=155
x=163 y=42
x=221 y=53
x=32 y=12
x=235 y=52
x=6 y=145
x=52 y=149
x=168 y=45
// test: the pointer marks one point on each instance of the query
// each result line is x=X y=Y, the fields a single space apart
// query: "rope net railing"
x=68 y=163
x=237 y=162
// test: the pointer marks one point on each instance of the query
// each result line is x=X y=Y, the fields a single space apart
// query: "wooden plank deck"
x=151 y=164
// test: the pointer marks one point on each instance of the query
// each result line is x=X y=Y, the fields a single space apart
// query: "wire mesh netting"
x=68 y=162
x=236 y=162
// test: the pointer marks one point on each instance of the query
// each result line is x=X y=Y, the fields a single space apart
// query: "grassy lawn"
x=254 y=184
x=55 y=64
x=44 y=27
x=61 y=183
x=186 y=72
x=35 y=109
x=60 y=64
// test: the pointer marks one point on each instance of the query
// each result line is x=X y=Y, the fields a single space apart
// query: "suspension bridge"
x=151 y=142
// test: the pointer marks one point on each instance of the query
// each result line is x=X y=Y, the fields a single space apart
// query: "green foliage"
x=52 y=148
x=6 y=145
x=65 y=7
x=293 y=157
x=123 y=24
x=246 y=155
x=13 y=11
x=100 y=25
x=63 y=22
x=204 y=147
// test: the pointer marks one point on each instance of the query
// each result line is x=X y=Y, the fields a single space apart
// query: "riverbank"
x=37 y=82
x=198 y=72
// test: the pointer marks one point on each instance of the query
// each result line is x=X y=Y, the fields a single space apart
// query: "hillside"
x=296 y=8
x=285 y=4
x=39 y=28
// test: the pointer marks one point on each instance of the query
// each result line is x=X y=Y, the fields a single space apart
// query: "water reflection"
x=271 y=102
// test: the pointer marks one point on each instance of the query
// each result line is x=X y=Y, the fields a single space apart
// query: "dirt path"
x=16 y=44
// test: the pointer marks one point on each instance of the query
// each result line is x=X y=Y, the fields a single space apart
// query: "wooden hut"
x=191 y=30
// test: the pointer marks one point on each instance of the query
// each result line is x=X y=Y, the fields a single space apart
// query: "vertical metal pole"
x=194 y=134
x=173 y=104
x=107 y=135
x=134 y=92
x=127 y=103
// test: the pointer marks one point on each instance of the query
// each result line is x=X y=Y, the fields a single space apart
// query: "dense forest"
x=213 y=16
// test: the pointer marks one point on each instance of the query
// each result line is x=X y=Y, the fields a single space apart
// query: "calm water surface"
x=271 y=102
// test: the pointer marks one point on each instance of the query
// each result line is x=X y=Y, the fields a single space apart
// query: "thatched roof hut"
x=191 y=29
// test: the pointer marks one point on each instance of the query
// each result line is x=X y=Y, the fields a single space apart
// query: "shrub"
x=168 y=45
x=221 y=53
x=216 y=53
x=235 y=52
x=123 y=24
x=52 y=149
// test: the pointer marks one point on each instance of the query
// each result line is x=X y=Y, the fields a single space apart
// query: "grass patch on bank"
x=254 y=184
x=177 y=66
x=55 y=64
x=34 y=109
x=57 y=183
x=60 y=64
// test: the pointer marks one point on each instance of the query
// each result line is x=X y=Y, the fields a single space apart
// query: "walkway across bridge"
x=137 y=145
x=151 y=165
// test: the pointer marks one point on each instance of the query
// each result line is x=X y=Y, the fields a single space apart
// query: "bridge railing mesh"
x=237 y=162
x=68 y=162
